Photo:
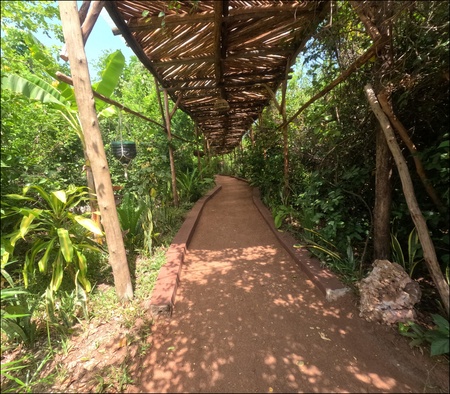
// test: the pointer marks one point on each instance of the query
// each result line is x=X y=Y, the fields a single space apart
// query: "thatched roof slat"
x=226 y=49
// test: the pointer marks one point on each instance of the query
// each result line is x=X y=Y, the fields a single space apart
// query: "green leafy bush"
x=438 y=337
x=16 y=312
x=414 y=255
x=53 y=239
x=130 y=213
x=191 y=184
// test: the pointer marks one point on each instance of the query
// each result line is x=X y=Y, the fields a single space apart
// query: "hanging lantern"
x=221 y=105
x=124 y=151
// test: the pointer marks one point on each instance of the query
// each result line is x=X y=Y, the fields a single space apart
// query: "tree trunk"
x=95 y=149
x=383 y=200
x=281 y=107
x=429 y=252
x=378 y=29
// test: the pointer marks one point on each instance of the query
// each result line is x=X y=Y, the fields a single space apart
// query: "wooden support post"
x=171 y=158
x=281 y=107
x=285 y=130
x=208 y=151
x=66 y=79
x=429 y=252
x=199 y=164
x=95 y=149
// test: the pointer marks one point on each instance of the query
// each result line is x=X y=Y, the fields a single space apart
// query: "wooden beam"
x=273 y=97
x=91 y=18
x=248 y=54
x=82 y=12
x=65 y=78
x=175 y=107
x=95 y=149
x=227 y=85
x=155 y=22
x=189 y=60
x=220 y=45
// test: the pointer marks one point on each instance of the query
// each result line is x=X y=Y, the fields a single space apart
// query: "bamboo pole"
x=429 y=252
x=95 y=149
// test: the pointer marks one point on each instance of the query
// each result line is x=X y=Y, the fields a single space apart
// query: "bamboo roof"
x=218 y=59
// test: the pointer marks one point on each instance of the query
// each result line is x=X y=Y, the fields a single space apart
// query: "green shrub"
x=53 y=239
x=438 y=337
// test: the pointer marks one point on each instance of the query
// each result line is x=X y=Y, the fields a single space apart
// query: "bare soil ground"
x=246 y=319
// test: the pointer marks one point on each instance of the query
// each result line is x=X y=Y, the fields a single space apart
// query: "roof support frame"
x=233 y=46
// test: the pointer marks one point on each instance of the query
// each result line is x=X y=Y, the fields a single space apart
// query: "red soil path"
x=248 y=319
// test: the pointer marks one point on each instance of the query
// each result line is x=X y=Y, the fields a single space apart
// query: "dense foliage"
x=331 y=194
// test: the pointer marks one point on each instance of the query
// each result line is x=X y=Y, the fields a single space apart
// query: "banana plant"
x=61 y=96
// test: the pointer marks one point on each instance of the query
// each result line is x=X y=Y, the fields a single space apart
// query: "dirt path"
x=247 y=319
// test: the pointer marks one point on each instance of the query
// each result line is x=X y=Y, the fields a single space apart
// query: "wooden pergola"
x=220 y=61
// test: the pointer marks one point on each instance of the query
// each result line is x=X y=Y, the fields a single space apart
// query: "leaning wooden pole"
x=403 y=133
x=94 y=148
x=429 y=252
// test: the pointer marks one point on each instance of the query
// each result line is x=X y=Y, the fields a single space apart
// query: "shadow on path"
x=247 y=319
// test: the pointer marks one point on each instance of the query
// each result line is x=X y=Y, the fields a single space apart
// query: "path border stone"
x=164 y=292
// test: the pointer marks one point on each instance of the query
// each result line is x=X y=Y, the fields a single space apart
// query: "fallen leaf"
x=122 y=342
x=324 y=337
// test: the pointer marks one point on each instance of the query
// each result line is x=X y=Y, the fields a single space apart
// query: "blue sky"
x=101 y=39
